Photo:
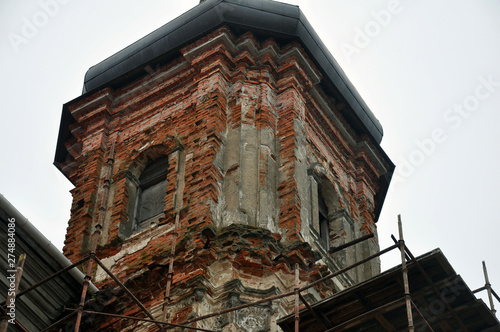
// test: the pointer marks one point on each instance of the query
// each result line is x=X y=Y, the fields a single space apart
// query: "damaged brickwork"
x=255 y=151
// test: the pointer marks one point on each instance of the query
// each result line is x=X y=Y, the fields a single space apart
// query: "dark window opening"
x=79 y=204
x=151 y=191
x=324 y=228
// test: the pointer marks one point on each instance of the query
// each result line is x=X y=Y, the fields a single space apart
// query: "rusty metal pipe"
x=297 y=295
x=4 y=324
x=351 y=243
x=141 y=320
x=404 y=270
x=435 y=289
x=344 y=270
x=122 y=286
x=95 y=237
x=479 y=290
x=170 y=273
x=495 y=295
x=38 y=284
x=65 y=318
x=311 y=310
x=421 y=315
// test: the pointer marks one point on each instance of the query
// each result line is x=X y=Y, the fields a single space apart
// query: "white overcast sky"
x=428 y=69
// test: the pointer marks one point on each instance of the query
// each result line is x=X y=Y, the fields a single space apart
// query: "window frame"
x=153 y=177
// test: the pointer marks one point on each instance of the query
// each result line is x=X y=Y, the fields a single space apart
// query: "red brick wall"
x=184 y=110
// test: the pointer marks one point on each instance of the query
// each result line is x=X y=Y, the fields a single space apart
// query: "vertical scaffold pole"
x=488 y=289
x=180 y=168
x=12 y=295
x=88 y=272
x=411 y=328
x=170 y=273
x=297 y=297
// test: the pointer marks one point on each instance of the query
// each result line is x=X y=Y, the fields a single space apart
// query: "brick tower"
x=229 y=144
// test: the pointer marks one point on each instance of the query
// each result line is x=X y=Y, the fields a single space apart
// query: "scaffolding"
x=163 y=324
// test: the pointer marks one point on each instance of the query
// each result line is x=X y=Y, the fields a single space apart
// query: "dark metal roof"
x=378 y=304
x=274 y=19
x=44 y=305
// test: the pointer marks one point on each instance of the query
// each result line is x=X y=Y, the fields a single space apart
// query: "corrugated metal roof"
x=42 y=306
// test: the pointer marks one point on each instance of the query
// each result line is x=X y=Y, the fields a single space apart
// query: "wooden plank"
x=319 y=319
x=385 y=323
x=368 y=315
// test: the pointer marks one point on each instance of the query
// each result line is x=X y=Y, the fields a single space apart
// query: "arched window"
x=150 y=198
x=325 y=206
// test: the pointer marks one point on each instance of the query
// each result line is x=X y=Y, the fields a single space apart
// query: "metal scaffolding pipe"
x=435 y=289
x=344 y=270
x=23 y=223
x=95 y=237
x=421 y=315
x=19 y=326
x=312 y=311
x=404 y=269
x=65 y=318
x=141 y=320
x=38 y=284
x=480 y=289
x=488 y=288
x=495 y=295
x=125 y=289
x=351 y=243
x=297 y=295
x=4 y=324
x=170 y=273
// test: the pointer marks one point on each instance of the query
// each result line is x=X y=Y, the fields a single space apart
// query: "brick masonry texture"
x=252 y=143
